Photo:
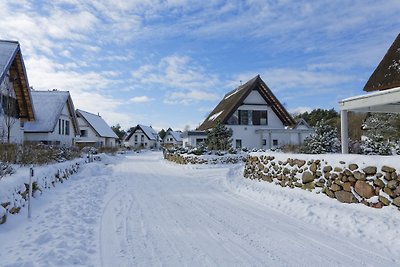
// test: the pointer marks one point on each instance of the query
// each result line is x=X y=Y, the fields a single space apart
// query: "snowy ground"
x=143 y=211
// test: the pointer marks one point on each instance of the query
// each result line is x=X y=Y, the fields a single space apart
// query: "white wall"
x=92 y=136
x=54 y=136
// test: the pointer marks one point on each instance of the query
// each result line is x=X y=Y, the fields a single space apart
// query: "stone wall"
x=347 y=182
x=42 y=180
x=205 y=159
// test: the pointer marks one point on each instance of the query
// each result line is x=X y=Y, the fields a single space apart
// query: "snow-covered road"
x=144 y=211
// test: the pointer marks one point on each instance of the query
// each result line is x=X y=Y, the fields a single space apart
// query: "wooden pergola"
x=385 y=85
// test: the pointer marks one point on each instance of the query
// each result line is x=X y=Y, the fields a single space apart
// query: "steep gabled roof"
x=387 y=73
x=97 y=123
x=150 y=133
x=232 y=100
x=176 y=135
x=11 y=61
x=48 y=108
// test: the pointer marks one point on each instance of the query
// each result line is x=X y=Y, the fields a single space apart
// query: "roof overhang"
x=387 y=101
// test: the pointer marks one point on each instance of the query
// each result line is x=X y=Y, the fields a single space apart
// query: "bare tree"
x=9 y=106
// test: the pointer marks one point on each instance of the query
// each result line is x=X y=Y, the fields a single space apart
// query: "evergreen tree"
x=375 y=144
x=330 y=116
x=325 y=140
x=162 y=134
x=385 y=125
x=219 y=137
x=118 y=131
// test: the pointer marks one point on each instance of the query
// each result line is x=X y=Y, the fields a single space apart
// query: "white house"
x=15 y=97
x=193 y=138
x=257 y=118
x=94 y=131
x=143 y=137
x=56 y=122
x=172 y=138
x=384 y=83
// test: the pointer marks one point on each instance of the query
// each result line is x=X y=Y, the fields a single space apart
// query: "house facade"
x=172 y=138
x=143 y=137
x=56 y=122
x=15 y=98
x=94 y=131
x=193 y=138
x=257 y=118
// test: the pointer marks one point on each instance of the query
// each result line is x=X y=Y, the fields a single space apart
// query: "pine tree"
x=375 y=144
x=219 y=137
x=325 y=140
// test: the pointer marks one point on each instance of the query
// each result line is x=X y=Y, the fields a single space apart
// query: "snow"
x=139 y=210
x=48 y=107
x=176 y=135
x=231 y=94
x=98 y=124
x=216 y=115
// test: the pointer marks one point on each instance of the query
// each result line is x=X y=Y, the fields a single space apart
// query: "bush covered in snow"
x=325 y=140
x=6 y=169
x=376 y=145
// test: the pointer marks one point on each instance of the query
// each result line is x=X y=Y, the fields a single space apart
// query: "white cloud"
x=187 y=98
x=299 y=110
x=141 y=99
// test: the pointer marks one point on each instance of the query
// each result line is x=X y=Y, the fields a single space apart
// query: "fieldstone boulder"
x=389 y=191
x=392 y=184
x=388 y=169
x=370 y=170
x=300 y=163
x=345 y=197
x=338 y=169
x=313 y=167
x=379 y=182
x=353 y=167
x=327 y=169
x=364 y=189
x=3 y=219
x=329 y=192
x=384 y=200
x=347 y=187
x=336 y=187
x=396 y=201
x=308 y=177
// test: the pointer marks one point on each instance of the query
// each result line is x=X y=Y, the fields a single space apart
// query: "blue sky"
x=168 y=63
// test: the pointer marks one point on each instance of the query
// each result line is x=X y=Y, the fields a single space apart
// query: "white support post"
x=344 y=123
x=30 y=192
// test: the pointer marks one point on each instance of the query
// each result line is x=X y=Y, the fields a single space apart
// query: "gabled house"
x=172 y=138
x=257 y=118
x=94 y=131
x=383 y=89
x=56 y=122
x=15 y=98
x=143 y=137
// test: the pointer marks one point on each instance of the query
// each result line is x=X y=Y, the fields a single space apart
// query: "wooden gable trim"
x=21 y=88
x=71 y=110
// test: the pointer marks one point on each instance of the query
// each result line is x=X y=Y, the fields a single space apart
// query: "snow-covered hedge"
x=216 y=157
x=14 y=188
x=371 y=180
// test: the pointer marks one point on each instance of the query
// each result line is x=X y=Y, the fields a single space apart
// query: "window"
x=238 y=143
x=264 y=142
x=233 y=120
x=62 y=127
x=142 y=137
x=59 y=126
x=83 y=133
x=243 y=117
x=275 y=142
x=260 y=117
x=135 y=138
x=66 y=127
x=10 y=106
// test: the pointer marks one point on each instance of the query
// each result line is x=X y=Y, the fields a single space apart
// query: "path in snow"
x=161 y=214
x=144 y=211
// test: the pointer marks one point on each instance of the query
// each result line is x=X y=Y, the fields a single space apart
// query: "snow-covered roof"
x=176 y=135
x=97 y=123
x=48 y=107
x=147 y=130
x=8 y=50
